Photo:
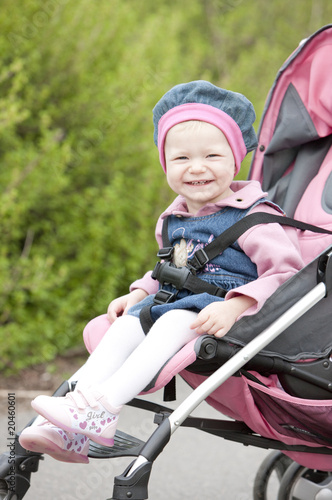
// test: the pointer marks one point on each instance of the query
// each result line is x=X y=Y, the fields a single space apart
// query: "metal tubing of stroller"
x=235 y=363
x=245 y=354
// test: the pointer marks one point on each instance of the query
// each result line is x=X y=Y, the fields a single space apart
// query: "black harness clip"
x=198 y=261
x=165 y=253
x=166 y=272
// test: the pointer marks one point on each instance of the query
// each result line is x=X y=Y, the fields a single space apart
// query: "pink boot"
x=84 y=410
x=47 y=438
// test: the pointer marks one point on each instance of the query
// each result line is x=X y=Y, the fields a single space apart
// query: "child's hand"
x=120 y=306
x=219 y=317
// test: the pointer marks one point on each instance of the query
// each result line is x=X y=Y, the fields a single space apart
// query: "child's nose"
x=197 y=166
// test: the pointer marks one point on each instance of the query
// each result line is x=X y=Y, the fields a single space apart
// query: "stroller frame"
x=136 y=476
x=133 y=482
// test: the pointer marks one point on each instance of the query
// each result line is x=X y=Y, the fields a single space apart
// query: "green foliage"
x=80 y=181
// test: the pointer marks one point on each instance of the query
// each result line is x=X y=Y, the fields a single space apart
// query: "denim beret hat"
x=200 y=100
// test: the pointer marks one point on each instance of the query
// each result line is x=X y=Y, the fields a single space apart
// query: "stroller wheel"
x=300 y=483
x=5 y=493
x=275 y=462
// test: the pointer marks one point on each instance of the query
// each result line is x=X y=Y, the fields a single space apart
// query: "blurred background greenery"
x=81 y=186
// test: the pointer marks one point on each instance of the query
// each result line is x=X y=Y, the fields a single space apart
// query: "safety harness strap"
x=230 y=235
x=185 y=277
x=182 y=278
x=146 y=318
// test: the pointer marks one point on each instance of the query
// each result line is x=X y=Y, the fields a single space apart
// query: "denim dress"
x=231 y=269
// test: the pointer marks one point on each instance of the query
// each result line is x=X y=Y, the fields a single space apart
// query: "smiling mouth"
x=198 y=183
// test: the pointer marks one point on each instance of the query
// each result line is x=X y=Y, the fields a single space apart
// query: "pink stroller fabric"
x=237 y=399
x=294 y=164
x=304 y=82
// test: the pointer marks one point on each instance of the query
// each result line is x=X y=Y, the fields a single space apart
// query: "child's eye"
x=182 y=158
x=213 y=155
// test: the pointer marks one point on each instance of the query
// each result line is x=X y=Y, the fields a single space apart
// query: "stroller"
x=277 y=364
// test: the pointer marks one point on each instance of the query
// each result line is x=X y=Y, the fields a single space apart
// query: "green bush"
x=81 y=186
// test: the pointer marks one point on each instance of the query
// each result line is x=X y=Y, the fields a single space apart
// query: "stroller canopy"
x=294 y=164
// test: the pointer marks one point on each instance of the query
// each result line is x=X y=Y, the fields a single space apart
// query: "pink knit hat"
x=229 y=111
x=204 y=113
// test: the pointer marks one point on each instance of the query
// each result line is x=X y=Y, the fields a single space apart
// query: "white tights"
x=126 y=360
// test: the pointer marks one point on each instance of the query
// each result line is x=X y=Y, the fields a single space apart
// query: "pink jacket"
x=273 y=248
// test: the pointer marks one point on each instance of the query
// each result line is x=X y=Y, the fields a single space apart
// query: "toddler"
x=203 y=133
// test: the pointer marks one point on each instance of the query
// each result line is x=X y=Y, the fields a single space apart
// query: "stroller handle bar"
x=245 y=354
x=162 y=434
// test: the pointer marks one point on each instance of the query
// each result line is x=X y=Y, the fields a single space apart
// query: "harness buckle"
x=155 y=272
x=199 y=260
x=163 y=297
x=165 y=253
x=166 y=272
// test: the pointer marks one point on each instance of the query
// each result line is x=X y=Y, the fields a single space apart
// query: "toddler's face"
x=200 y=163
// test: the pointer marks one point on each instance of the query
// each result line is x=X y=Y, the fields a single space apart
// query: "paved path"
x=194 y=465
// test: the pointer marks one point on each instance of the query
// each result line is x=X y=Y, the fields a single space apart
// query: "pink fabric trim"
x=94 y=332
x=185 y=357
x=312 y=78
x=310 y=209
x=204 y=113
x=233 y=399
